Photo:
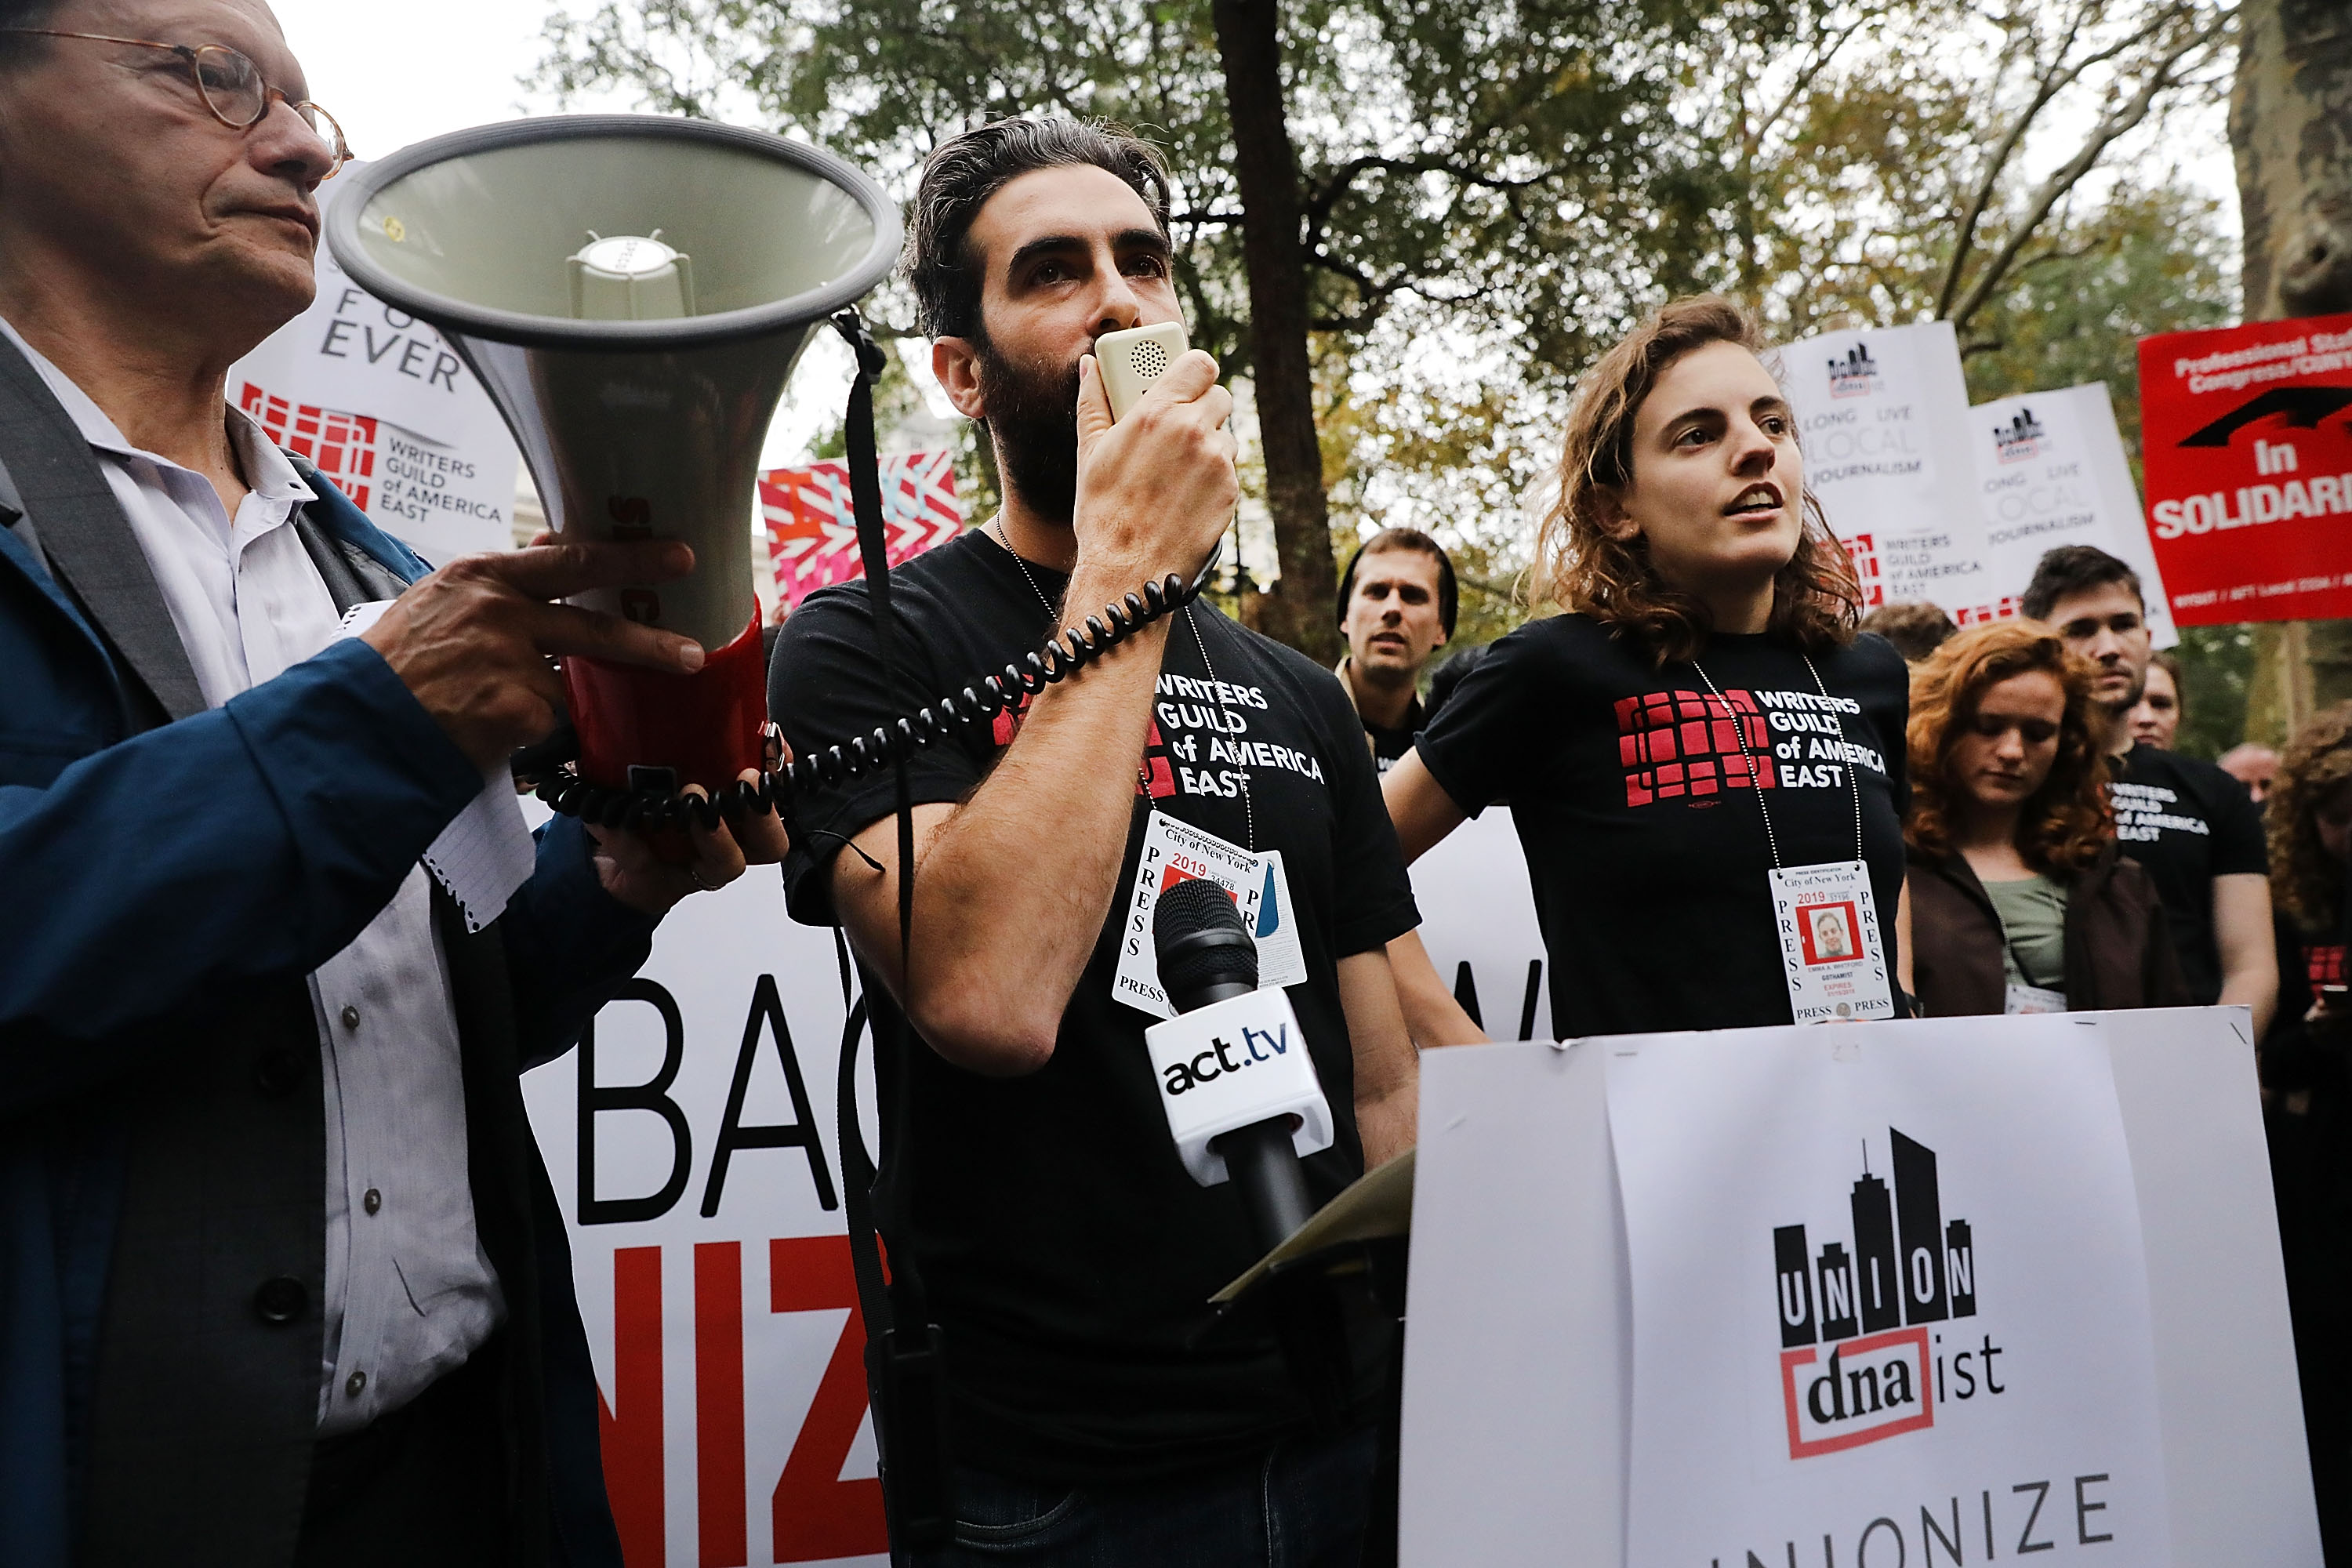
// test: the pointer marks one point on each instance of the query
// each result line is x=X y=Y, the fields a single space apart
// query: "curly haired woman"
x=1701 y=753
x=2307 y=1095
x=2018 y=900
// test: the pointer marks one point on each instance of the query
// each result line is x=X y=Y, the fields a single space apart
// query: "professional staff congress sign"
x=1889 y=1306
x=2247 y=434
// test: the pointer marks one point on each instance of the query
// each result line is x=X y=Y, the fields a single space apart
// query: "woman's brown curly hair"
x=2306 y=883
x=2065 y=823
x=1578 y=566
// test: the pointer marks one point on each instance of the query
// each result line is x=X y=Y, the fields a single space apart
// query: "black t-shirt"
x=1644 y=842
x=2187 y=822
x=1389 y=746
x=1069 y=1257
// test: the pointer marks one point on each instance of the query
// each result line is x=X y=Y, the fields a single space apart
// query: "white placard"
x=1892 y=1297
x=2050 y=470
x=383 y=406
x=1520 y=1396
x=1882 y=416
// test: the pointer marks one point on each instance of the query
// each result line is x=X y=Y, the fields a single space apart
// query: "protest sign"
x=2050 y=471
x=1882 y=414
x=811 y=526
x=2247 y=436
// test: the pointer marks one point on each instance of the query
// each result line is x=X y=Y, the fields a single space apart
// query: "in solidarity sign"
x=2248 y=434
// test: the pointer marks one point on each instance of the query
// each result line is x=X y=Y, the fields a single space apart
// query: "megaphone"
x=632 y=291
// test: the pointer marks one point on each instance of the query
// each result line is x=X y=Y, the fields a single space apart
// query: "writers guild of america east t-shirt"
x=2187 y=822
x=1067 y=1256
x=1644 y=840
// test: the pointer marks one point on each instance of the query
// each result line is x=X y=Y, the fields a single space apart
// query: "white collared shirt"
x=409 y=1292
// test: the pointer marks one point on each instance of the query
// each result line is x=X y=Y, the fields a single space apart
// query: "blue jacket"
x=155 y=874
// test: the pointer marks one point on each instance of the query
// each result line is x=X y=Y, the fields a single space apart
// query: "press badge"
x=2022 y=998
x=1830 y=948
x=1177 y=851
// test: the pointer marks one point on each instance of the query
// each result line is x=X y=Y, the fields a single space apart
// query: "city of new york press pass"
x=1176 y=851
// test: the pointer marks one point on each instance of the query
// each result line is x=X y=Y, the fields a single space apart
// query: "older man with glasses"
x=281 y=1278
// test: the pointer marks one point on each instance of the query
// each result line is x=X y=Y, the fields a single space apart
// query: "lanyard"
x=1755 y=780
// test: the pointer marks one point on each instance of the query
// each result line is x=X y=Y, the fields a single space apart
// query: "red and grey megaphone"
x=632 y=291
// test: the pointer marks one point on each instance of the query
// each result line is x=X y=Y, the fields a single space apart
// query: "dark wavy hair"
x=2306 y=883
x=966 y=170
x=1816 y=601
x=2065 y=823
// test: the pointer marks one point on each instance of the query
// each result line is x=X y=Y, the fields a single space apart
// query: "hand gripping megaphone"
x=632 y=291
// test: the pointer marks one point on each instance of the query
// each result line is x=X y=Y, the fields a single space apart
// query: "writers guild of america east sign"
x=1877 y=1329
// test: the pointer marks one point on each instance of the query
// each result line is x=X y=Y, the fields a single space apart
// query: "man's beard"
x=1032 y=417
x=2117 y=707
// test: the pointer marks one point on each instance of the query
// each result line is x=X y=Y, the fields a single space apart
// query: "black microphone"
x=1206 y=956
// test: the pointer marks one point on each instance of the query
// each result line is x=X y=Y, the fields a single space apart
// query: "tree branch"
x=2063 y=179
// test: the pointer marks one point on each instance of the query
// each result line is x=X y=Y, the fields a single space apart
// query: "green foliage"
x=1493 y=192
x=2145 y=261
x=2217 y=667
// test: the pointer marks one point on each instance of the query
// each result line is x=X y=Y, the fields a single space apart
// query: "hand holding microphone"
x=1157 y=486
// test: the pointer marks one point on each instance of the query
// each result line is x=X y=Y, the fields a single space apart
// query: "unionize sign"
x=2247 y=436
x=1887 y=1308
x=388 y=412
x=1881 y=414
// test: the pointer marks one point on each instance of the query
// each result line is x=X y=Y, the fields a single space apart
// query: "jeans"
x=1303 y=1505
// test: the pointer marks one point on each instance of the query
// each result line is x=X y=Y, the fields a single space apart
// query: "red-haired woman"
x=2019 y=900
x=1700 y=755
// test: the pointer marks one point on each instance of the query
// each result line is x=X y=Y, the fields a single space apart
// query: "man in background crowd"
x=2187 y=821
x=2252 y=765
x=1916 y=629
x=1397 y=601
x=2156 y=717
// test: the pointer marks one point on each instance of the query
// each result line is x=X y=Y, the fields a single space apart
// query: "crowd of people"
x=282 y=1277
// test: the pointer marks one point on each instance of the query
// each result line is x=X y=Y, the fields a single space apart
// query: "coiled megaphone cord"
x=1071 y=650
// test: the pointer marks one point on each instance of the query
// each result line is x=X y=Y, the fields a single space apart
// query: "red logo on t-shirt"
x=2323 y=963
x=1155 y=770
x=1684 y=744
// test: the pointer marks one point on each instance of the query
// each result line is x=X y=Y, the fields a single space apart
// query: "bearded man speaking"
x=1028 y=1172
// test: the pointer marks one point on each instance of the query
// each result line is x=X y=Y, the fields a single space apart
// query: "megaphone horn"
x=633 y=290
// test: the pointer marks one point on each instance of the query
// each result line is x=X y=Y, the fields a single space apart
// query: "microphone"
x=1235 y=1079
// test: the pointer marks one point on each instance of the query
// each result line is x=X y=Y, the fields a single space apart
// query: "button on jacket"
x=175 y=869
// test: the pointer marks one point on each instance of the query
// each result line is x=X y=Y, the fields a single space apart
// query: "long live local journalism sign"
x=387 y=410
x=2247 y=433
x=2050 y=471
x=692 y=1139
x=1881 y=413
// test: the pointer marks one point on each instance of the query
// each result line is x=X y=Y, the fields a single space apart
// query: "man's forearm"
x=2254 y=987
x=1010 y=896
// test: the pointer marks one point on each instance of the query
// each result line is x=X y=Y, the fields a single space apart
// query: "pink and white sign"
x=811 y=524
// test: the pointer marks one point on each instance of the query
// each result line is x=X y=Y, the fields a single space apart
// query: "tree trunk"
x=2291 y=126
x=1300 y=608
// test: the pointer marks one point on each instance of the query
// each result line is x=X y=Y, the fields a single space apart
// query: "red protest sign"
x=2247 y=433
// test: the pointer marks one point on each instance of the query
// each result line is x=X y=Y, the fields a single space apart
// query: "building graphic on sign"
x=2019 y=439
x=1855 y=375
x=1870 y=1297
